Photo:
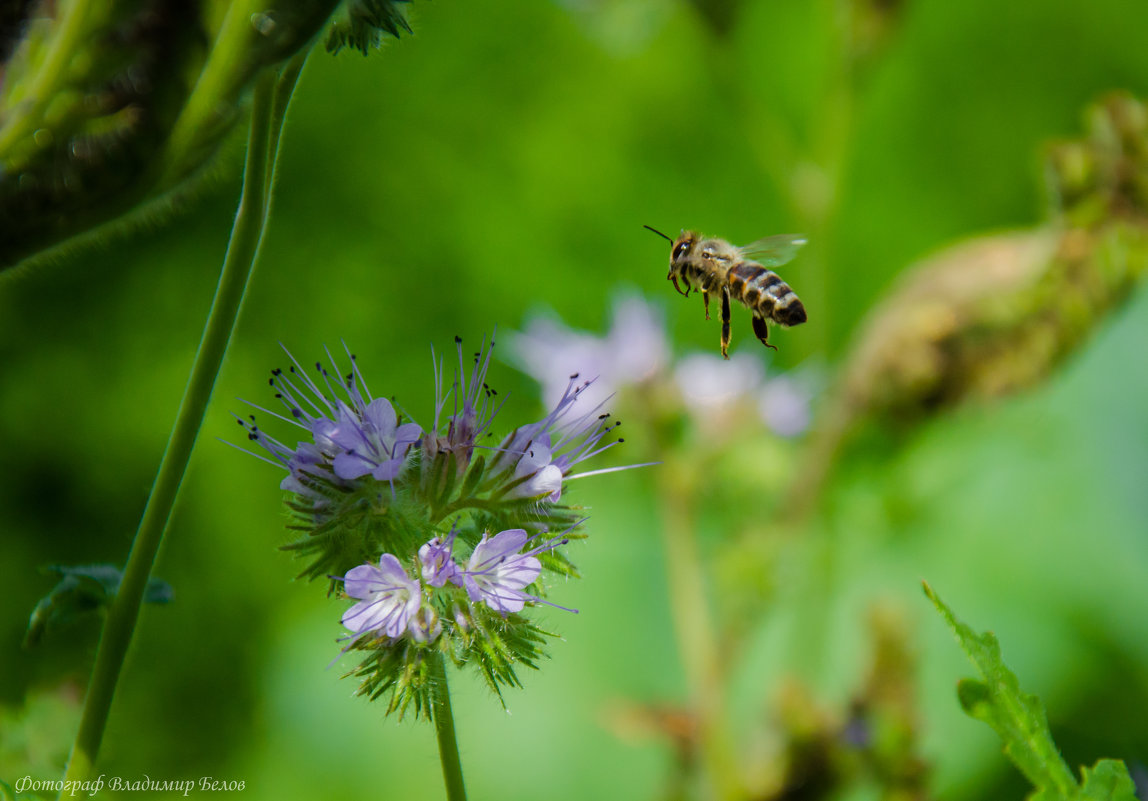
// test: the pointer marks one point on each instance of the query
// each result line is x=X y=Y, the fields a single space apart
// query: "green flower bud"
x=83 y=591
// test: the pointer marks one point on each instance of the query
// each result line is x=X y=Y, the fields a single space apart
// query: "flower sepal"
x=471 y=636
x=354 y=527
x=495 y=644
x=397 y=670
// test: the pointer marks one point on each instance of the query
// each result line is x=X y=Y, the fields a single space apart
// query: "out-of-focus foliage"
x=501 y=160
x=104 y=106
x=985 y=319
x=82 y=591
x=988 y=317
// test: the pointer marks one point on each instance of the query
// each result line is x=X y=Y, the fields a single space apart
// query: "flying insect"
x=712 y=265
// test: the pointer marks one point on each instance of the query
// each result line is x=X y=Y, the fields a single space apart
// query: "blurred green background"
x=500 y=162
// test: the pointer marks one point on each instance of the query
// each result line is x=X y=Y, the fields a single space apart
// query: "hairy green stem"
x=444 y=730
x=693 y=627
x=238 y=265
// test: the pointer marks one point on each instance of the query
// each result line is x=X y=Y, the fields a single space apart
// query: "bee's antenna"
x=659 y=233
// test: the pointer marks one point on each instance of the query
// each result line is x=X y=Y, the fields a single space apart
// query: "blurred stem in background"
x=808 y=176
x=693 y=625
x=271 y=98
x=690 y=608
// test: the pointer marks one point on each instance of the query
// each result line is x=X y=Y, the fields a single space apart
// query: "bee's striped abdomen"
x=765 y=293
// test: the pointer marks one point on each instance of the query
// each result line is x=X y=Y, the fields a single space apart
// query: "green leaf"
x=1020 y=721
x=82 y=591
x=1017 y=717
x=1108 y=780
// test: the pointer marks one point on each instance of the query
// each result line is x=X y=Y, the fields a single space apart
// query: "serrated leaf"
x=1108 y=780
x=1018 y=718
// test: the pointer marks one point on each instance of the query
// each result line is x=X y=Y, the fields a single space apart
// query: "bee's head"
x=680 y=250
x=683 y=246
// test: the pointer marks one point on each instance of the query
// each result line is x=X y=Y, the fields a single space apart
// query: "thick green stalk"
x=693 y=627
x=444 y=730
x=237 y=268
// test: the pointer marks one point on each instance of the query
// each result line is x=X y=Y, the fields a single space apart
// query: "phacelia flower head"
x=400 y=518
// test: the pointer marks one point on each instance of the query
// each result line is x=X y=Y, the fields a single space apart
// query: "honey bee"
x=714 y=265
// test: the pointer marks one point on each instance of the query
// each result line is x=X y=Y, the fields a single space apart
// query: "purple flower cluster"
x=712 y=388
x=353 y=435
x=366 y=482
x=356 y=440
x=392 y=604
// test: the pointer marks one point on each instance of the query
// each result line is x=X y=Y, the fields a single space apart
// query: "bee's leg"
x=725 y=322
x=674 y=278
x=762 y=331
x=706 y=301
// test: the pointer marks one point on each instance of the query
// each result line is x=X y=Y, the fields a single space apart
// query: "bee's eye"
x=681 y=249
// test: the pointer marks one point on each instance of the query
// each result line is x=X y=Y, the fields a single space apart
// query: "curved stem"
x=444 y=730
x=123 y=613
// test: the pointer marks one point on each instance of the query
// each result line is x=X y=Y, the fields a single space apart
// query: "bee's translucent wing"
x=773 y=251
